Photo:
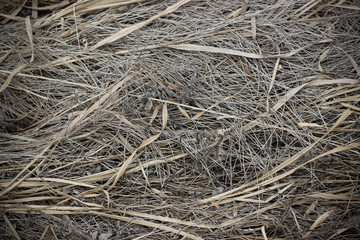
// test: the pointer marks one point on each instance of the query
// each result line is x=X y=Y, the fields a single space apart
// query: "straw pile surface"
x=179 y=119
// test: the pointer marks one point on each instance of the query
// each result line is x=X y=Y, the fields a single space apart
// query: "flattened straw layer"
x=179 y=119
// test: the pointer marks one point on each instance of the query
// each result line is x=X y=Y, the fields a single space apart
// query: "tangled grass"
x=180 y=119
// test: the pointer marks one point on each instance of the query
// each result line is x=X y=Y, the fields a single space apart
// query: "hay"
x=179 y=119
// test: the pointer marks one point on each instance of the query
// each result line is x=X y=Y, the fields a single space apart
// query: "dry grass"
x=180 y=119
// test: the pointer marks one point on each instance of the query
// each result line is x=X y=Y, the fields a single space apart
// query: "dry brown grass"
x=179 y=119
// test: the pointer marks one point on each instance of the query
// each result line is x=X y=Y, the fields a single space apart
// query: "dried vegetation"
x=180 y=119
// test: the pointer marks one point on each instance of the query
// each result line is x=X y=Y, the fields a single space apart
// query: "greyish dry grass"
x=180 y=119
